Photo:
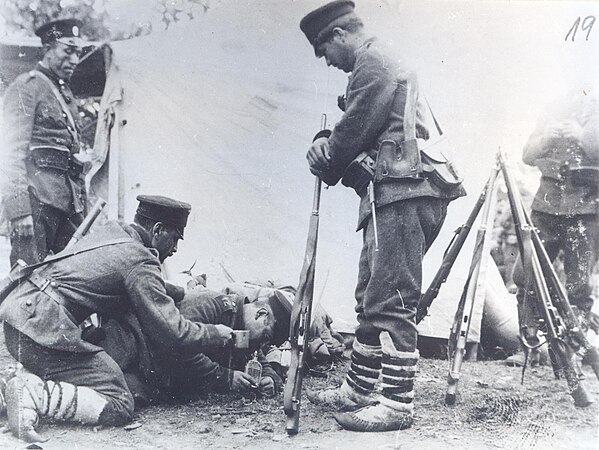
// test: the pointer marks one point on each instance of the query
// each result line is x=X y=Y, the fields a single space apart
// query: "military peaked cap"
x=165 y=210
x=326 y=18
x=281 y=309
x=66 y=31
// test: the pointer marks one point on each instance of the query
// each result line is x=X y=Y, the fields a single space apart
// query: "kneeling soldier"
x=184 y=373
x=115 y=272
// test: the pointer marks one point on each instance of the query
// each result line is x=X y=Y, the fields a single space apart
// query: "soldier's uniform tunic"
x=43 y=177
x=42 y=314
x=409 y=212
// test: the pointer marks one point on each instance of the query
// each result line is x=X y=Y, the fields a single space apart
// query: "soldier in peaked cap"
x=410 y=213
x=43 y=192
x=114 y=272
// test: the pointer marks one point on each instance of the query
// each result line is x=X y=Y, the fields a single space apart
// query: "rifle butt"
x=87 y=222
x=453 y=377
x=563 y=359
x=292 y=424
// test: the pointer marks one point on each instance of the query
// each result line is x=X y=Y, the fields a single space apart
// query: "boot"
x=4 y=379
x=395 y=405
x=359 y=387
x=28 y=398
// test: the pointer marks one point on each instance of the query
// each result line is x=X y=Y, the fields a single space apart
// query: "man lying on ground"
x=152 y=373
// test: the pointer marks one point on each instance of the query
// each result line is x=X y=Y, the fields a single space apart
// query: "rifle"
x=301 y=315
x=453 y=250
x=556 y=330
x=462 y=319
x=20 y=271
x=577 y=338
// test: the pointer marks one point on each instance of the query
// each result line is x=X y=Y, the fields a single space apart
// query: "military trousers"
x=97 y=371
x=578 y=237
x=390 y=279
x=52 y=230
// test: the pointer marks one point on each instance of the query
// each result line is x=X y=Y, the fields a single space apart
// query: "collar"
x=142 y=234
x=239 y=323
x=57 y=81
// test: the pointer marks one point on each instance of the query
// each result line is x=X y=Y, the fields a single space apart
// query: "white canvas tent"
x=219 y=112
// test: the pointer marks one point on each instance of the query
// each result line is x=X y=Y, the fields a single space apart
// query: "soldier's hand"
x=242 y=382
x=224 y=332
x=267 y=387
x=22 y=226
x=319 y=156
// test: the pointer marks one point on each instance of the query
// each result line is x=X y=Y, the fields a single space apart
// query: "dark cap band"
x=165 y=210
x=317 y=22
x=66 y=31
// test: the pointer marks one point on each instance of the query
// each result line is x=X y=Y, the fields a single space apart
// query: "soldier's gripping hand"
x=242 y=382
x=22 y=226
x=267 y=386
x=224 y=332
x=319 y=156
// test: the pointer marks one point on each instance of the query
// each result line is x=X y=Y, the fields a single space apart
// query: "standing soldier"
x=410 y=212
x=44 y=197
x=565 y=148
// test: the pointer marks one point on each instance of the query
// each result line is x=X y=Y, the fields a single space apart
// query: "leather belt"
x=76 y=313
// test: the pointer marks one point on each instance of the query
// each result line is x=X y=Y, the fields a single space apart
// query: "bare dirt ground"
x=493 y=411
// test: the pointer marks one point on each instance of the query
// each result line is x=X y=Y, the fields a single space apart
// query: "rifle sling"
x=63 y=255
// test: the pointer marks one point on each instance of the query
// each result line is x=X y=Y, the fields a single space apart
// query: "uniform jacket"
x=33 y=120
x=375 y=103
x=114 y=281
x=557 y=194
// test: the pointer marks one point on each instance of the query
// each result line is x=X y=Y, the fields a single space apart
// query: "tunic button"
x=28 y=303
x=53 y=283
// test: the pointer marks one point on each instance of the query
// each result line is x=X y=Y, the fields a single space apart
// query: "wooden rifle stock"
x=556 y=330
x=463 y=317
x=452 y=252
x=300 y=321
x=87 y=222
x=21 y=271
x=560 y=299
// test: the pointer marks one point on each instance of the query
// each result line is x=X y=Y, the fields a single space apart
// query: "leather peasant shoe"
x=343 y=398
x=375 y=418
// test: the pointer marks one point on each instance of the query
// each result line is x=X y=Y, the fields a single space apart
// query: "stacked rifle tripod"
x=558 y=323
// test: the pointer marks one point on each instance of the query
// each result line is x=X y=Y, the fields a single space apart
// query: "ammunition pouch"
x=398 y=161
x=359 y=172
x=442 y=173
x=57 y=159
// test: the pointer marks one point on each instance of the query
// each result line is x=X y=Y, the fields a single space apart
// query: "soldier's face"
x=338 y=53
x=260 y=324
x=165 y=240
x=62 y=59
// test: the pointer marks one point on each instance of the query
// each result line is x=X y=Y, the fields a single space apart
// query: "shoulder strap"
x=59 y=97
x=409 y=120
x=67 y=254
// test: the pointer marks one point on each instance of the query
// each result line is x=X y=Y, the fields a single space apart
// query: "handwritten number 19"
x=585 y=24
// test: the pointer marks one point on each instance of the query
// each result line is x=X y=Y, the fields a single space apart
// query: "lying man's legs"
x=84 y=387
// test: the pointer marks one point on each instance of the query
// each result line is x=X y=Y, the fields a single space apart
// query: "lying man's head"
x=164 y=219
x=267 y=320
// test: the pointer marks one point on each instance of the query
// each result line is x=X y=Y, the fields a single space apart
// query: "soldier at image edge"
x=43 y=193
